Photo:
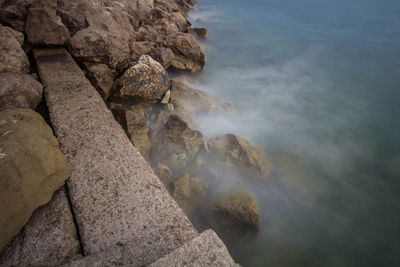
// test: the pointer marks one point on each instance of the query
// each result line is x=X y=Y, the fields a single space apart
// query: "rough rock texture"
x=196 y=101
x=48 y=239
x=32 y=168
x=205 y=250
x=189 y=192
x=14 y=12
x=187 y=53
x=137 y=130
x=200 y=32
x=19 y=36
x=43 y=26
x=19 y=91
x=119 y=203
x=175 y=145
x=233 y=152
x=12 y=57
x=164 y=56
x=236 y=213
x=101 y=78
x=147 y=80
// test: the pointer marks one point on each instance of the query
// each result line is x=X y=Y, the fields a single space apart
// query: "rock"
x=19 y=36
x=48 y=239
x=147 y=80
x=101 y=77
x=44 y=26
x=228 y=107
x=187 y=53
x=142 y=48
x=231 y=152
x=175 y=144
x=137 y=130
x=73 y=14
x=166 y=97
x=165 y=175
x=14 y=13
x=196 y=101
x=32 y=168
x=189 y=192
x=19 y=90
x=235 y=213
x=163 y=56
x=12 y=57
x=200 y=32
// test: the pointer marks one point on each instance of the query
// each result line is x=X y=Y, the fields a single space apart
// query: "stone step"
x=118 y=201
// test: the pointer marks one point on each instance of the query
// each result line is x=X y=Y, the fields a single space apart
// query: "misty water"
x=316 y=85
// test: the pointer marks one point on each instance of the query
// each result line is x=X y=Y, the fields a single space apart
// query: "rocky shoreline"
x=125 y=49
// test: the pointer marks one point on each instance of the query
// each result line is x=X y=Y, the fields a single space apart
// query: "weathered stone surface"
x=118 y=201
x=164 y=173
x=48 y=239
x=233 y=152
x=175 y=144
x=12 y=57
x=187 y=53
x=32 y=167
x=236 y=213
x=73 y=14
x=101 y=77
x=137 y=130
x=194 y=100
x=44 y=26
x=147 y=80
x=14 y=12
x=164 y=56
x=19 y=36
x=189 y=192
x=205 y=250
x=19 y=90
x=200 y=32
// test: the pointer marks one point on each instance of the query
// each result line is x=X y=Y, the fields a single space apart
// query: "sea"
x=315 y=84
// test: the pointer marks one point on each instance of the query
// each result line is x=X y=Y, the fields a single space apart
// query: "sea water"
x=316 y=86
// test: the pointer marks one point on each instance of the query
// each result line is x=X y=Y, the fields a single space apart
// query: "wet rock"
x=231 y=152
x=147 y=80
x=48 y=239
x=44 y=26
x=101 y=77
x=200 y=32
x=175 y=144
x=14 y=13
x=12 y=56
x=196 y=101
x=32 y=168
x=187 y=53
x=189 y=192
x=236 y=213
x=19 y=90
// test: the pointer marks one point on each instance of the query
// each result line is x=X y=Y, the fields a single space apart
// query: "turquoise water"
x=316 y=85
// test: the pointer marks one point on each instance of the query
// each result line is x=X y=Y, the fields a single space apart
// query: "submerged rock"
x=231 y=152
x=19 y=90
x=147 y=81
x=32 y=168
x=12 y=56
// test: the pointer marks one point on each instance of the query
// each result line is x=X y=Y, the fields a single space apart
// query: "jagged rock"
x=200 y=32
x=196 y=101
x=148 y=33
x=19 y=36
x=235 y=153
x=142 y=48
x=175 y=144
x=19 y=90
x=167 y=22
x=164 y=56
x=32 y=168
x=44 y=26
x=48 y=239
x=187 y=53
x=136 y=127
x=166 y=97
x=14 y=12
x=189 y=192
x=73 y=14
x=12 y=56
x=236 y=213
x=147 y=80
x=101 y=77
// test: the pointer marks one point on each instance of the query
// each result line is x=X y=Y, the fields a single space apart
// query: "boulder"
x=14 y=13
x=101 y=77
x=73 y=14
x=175 y=144
x=188 y=192
x=236 y=213
x=19 y=36
x=200 y=32
x=231 y=152
x=196 y=101
x=139 y=48
x=137 y=130
x=48 y=239
x=165 y=175
x=12 y=56
x=187 y=53
x=43 y=26
x=147 y=80
x=32 y=168
x=19 y=90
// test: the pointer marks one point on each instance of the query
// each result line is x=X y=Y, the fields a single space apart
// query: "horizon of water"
x=316 y=87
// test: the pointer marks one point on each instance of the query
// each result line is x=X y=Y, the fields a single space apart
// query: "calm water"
x=316 y=84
